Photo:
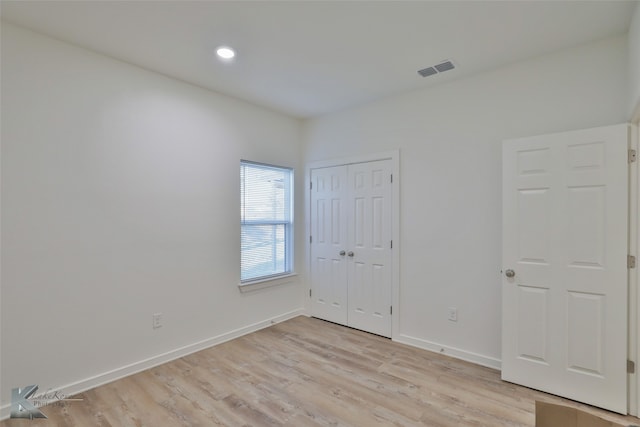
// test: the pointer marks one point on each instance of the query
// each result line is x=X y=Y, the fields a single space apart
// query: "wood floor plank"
x=307 y=372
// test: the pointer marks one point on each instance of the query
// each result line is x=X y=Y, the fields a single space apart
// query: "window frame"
x=288 y=225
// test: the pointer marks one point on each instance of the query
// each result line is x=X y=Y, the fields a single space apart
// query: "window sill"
x=267 y=283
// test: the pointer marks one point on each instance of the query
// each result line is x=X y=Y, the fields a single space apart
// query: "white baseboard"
x=142 y=365
x=468 y=356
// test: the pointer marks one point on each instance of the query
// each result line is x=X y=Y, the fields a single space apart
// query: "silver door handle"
x=342 y=253
x=509 y=273
x=350 y=253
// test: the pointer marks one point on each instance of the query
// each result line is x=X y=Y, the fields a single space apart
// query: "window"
x=266 y=215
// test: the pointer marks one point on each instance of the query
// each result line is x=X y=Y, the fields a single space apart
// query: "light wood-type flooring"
x=306 y=372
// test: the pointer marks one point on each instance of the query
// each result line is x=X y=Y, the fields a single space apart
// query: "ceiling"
x=309 y=58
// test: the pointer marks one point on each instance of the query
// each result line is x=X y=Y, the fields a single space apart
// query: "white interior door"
x=565 y=239
x=351 y=259
x=369 y=266
x=329 y=244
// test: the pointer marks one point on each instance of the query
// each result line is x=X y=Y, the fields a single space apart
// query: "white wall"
x=634 y=64
x=450 y=140
x=120 y=198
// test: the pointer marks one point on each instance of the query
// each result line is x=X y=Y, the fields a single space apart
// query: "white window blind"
x=266 y=215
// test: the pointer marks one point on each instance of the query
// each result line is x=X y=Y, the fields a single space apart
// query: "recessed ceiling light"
x=225 y=52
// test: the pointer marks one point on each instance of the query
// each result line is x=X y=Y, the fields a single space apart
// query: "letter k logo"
x=21 y=407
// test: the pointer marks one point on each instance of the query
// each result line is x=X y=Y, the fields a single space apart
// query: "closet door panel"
x=369 y=230
x=329 y=244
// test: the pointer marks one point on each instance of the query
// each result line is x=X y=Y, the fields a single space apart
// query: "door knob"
x=509 y=273
x=342 y=253
x=350 y=253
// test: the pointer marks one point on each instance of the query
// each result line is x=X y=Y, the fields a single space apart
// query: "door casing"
x=634 y=274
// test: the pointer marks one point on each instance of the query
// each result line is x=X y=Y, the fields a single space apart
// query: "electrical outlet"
x=453 y=314
x=157 y=320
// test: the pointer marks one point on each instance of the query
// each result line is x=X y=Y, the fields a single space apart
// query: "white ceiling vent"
x=435 y=69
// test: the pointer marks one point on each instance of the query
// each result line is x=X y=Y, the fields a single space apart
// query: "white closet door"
x=564 y=292
x=369 y=253
x=351 y=280
x=329 y=243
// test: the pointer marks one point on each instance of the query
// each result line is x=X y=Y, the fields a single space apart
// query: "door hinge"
x=392 y=178
x=311 y=185
x=309 y=293
x=391 y=309
x=310 y=239
x=631 y=261
x=631 y=367
x=632 y=156
x=392 y=244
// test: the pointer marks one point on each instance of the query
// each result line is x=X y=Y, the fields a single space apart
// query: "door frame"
x=634 y=274
x=394 y=156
